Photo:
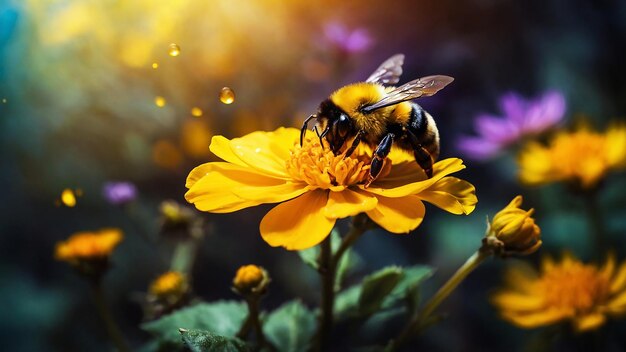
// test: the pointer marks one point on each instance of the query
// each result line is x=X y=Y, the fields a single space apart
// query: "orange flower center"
x=574 y=286
x=320 y=168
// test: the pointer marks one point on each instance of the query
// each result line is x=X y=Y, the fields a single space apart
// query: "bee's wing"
x=421 y=87
x=388 y=72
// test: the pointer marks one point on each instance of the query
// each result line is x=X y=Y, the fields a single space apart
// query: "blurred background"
x=90 y=94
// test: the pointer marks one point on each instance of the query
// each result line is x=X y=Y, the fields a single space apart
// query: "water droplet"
x=159 y=101
x=174 y=49
x=68 y=198
x=196 y=111
x=227 y=95
x=4 y=100
x=155 y=65
x=257 y=150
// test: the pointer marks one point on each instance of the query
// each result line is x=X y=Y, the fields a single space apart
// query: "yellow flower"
x=250 y=279
x=317 y=187
x=170 y=287
x=88 y=246
x=513 y=230
x=583 y=156
x=567 y=291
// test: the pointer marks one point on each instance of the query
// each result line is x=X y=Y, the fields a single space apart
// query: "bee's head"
x=336 y=125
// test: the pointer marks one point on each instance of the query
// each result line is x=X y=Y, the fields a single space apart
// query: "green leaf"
x=206 y=341
x=309 y=256
x=347 y=302
x=290 y=327
x=380 y=325
x=348 y=261
x=376 y=287
x=412 y=278
x=221 y=317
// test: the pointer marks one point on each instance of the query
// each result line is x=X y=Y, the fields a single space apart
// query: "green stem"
x=184 y=256
x=245 y=327
x=596 y=231
x=327 y=272
x=328 y=269
x=421 y=318
x=359 y=226
x=253 y=321
x=111 y=327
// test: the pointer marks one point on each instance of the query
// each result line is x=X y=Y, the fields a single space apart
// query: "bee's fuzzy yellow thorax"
x=352 y=97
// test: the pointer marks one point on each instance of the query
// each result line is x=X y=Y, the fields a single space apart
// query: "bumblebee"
x=381 y=115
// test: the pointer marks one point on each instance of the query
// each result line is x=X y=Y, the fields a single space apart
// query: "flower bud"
x=250 y=279
x=89 y=252
x=513 y=231
x=170 y=287
x=179 y=221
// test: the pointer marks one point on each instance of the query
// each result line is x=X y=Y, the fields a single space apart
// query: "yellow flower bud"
x=250 y=279
x=179 y=221
x=173 y=213
x=170 y=287
x=513 y=231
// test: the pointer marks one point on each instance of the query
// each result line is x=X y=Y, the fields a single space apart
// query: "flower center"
x=574 y=286
x=320 y=168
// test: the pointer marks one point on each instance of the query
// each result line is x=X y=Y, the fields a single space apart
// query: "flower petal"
x=452 y=194
x=522 y=277
x=266 y=152
x=514 y=107
x=517 y=301
x=197 y=173
x=272 y=194
x=348 y=203
x=395 y=187
x=544 y=112
x=535 y=319
x=535 y=165
x=589 y=321
x=220 y=146
x=617 y=304
x=398 y=215
x=215 y=190
x=616 y=145
x=499 y=131
x=619 y=280
x=608 y=269
x=299 y=223
x=478 y=148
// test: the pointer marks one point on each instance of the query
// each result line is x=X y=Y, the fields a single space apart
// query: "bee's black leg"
x=355 y=143
x=422 y=156
x=379 y=156
x=304 y=128
x=317 y=132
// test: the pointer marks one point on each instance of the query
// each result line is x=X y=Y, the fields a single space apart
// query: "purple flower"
x=119 y=192
x=521 y=118
x=349 y=41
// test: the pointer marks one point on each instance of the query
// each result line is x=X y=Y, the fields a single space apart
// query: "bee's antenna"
x=304 y=128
